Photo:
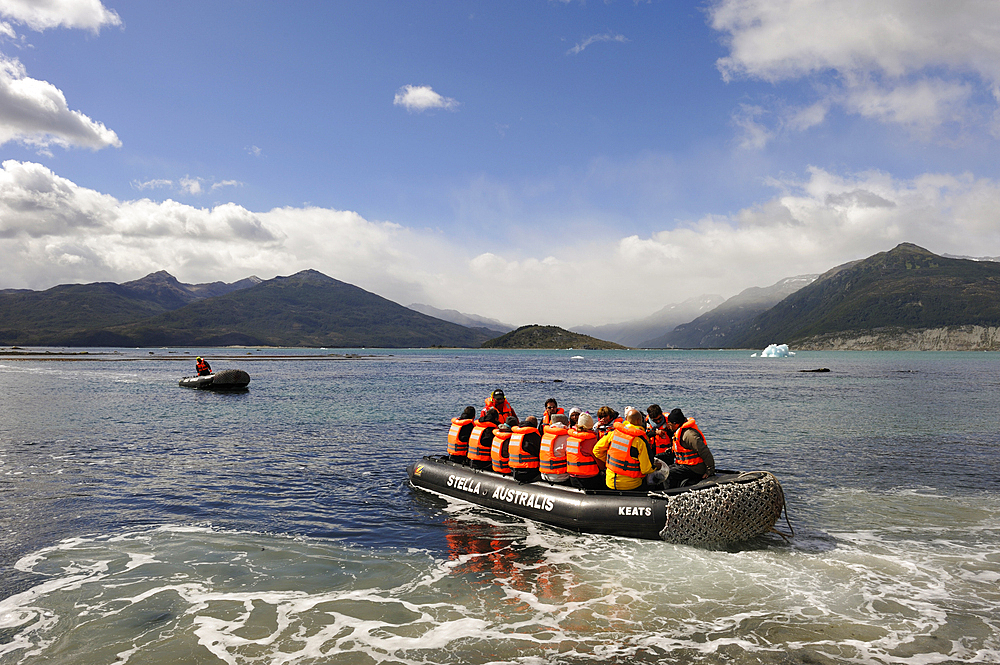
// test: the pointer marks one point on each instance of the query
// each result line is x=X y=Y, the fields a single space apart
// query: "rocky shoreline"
x=951 y=338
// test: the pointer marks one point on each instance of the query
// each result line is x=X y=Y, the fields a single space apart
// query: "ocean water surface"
x=145 y=523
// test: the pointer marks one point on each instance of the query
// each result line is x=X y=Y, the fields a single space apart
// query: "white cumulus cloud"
x=53 y=231
x=35 y=113
x=417 y=98
x=190 y=185
x=52 y=226
x=41 y=15
x=915 y=64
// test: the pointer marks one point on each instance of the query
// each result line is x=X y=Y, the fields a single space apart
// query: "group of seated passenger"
x=618 y=453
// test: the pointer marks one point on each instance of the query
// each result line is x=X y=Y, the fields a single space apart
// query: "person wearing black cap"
x=498 y=401
x=693 y=460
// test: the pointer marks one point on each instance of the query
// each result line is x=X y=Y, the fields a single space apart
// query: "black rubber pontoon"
x=227 y=380
x=729 y=507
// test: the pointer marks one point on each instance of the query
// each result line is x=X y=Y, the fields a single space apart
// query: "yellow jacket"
x=612 y=479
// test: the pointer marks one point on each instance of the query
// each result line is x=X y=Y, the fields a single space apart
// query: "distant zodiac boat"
x=726 y=508
x=226 y=380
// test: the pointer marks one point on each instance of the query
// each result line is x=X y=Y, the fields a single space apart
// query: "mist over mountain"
x=636 y=333
x=716 y=328
x=467 y=320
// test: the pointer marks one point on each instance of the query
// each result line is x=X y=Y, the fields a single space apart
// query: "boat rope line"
x=784 y=507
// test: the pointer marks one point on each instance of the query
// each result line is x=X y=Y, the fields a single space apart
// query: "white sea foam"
x=904 y=575
x=529 y=594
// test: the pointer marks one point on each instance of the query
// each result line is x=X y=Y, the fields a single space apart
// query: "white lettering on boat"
x=522 y=498
x=465 y=484
x=635 y=510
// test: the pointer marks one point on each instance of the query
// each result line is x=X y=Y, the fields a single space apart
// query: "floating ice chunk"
x=776 y=351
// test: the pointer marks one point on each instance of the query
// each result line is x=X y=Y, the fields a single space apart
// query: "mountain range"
x=304 y=309
x=905 y=298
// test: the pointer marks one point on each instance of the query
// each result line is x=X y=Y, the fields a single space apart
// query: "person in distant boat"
x=498 y=401
x=585 y=470
x=458 y=435
x=481 y=441
x=658 y=434
x=693 y=460
x=551 y=409
x=202 y=367
x=624 y=451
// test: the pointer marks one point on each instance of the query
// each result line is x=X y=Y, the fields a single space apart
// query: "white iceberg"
x=775 y=351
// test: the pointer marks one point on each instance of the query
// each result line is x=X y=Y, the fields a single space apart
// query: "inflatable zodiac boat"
x=226 y=380
x=726 y=508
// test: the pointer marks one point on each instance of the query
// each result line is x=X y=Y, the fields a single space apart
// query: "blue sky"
x=533 y=161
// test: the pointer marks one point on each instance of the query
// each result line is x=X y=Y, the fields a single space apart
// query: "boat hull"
x=228 y=380
x=733 y=507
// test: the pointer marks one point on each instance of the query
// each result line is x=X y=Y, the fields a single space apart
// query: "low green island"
x=547 y=337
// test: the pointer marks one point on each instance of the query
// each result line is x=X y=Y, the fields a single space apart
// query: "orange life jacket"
x=500 y=453
x=520 y=459
x=455 y=444
x=202 y=368
x=506 y=413
x=681 y=454
x=549 y=460
x=662 y=441
x=479 y=450
x=546 y=417
x=580 y=464
x=604 y=429
x=621 y=459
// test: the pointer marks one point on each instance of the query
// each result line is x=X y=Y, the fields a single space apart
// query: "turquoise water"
x=141 y=522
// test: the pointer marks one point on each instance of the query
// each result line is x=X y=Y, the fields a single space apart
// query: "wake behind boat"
x=726 y=508
x=228 y=380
